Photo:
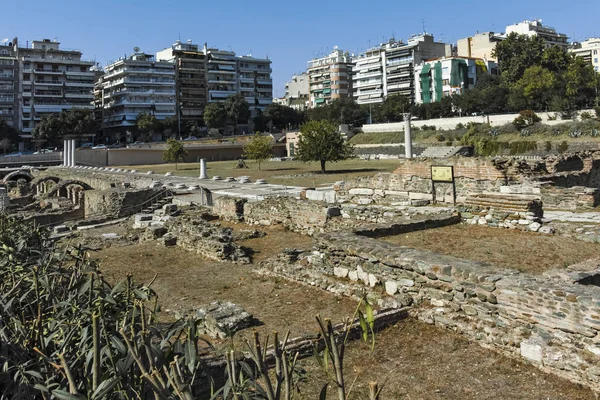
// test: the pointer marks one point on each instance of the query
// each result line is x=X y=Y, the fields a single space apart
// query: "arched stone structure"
x=43 y=185
x=71 y=189
x=16 y=175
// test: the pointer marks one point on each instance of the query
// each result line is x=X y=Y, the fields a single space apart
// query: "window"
x=292 y=150
x=595 y=61
x=595 y=52
x=83 y=69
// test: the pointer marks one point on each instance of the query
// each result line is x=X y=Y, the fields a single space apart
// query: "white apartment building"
x=330 y=78
x=255 y=82
x=446 y=76
x=589 y=50
x=9 y=84
x=297 y=92
x=51 y=80
x=535 y=28
x=135 y=85
x=389 y=68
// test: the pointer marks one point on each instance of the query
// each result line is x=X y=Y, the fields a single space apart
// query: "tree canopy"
x=260 y=148
x=238 y=109
x=7 y=132
x=74 y=122
x=215 y=115
x=321 y=141
x=282 y=116
x=175 y=152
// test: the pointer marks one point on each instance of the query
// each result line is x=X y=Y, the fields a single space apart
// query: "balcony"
x=79 y=84
x=79 y=96
x=49 y=71
x=221 y=82
x=49 y=83
x=48 y=94
x=374 y=82
x=265 y=81
x=361 y=75
x=80 y=73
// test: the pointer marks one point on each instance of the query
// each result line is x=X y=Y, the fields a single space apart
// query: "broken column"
x=72 y=162
x=65 y=152
x=407 y=136
x=203 y=174
x=4 y=200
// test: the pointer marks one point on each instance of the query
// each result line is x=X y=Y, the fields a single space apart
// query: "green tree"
x=147 y=124
x=516 y=54
x=169 y=126
x=175 y=152
x=282 y=116
x=50 y=129
x=537 y=86
x=215 y=115
x=75 y=122
x=260 y=148
x=392 y=108
x=340 y=111
x=8 y=132
x=238 y=109
x=321 y=141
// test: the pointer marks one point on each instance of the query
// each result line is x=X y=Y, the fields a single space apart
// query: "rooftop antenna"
x=423 y=23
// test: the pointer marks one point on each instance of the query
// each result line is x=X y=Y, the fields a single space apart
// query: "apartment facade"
x=255 y=82
x=51 y=80
x=536 y=28
x=330 y=78
x=190 y=80
x=480 y=45
x=388 y=69
x=297 y=92
x=135 y=85
x=589 y=50
x=446 y=76
x=9 y=85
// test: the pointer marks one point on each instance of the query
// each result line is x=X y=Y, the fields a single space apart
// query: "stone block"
x=60 y=228
x=535 y=226
x=365 y=201
x=420 y=196
x=361 y=192
x=353 y=276
x=406 y=282
x=396 y=193
x=330 y=196
x=391 y=287
x=340 y=272
x=315 y=195
x=532 y=349
x=169 y=240
x=373 y=280
x=362 y=275
x=142 y=217
x=546 y=229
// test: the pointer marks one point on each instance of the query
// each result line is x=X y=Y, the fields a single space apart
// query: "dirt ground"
x=525 y=251
x=414 y=360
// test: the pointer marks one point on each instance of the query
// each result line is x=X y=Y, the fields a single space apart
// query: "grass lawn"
x=293 y=173
x=525 y=251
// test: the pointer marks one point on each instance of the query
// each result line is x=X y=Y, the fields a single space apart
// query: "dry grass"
x=293 y=173
x=524 y=251
x=415 y=360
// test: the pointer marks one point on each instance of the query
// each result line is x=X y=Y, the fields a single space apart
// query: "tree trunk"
x=175 y=165
x=323 y=166
x=259 y=165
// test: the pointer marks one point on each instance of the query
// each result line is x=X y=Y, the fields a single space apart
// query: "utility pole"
x=370 y=114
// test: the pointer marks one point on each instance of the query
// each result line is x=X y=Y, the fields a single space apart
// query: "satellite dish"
x=136 y=49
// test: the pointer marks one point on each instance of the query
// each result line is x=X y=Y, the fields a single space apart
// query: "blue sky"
x=289 y=32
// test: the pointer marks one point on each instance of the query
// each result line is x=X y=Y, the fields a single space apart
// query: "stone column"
x=65 y=152
x=203 y=174
x=72 y=152
x=407 y=136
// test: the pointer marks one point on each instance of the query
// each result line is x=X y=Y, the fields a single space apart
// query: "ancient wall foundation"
x=551 y=321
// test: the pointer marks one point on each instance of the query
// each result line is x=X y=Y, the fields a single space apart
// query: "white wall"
x=450 y=123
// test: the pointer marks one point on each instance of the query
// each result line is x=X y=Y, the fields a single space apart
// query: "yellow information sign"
x=442 y=173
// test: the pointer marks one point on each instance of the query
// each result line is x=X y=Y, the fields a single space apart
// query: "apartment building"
x=389 y=68
x=190 y=80
x=297 y=92
x=442 y=77
x=480 y=45
x=255 y=82
x=51 y=80
x=589 y=50
x=330 y=78
x=135 y=85
x=9 y=84
x=536 y=28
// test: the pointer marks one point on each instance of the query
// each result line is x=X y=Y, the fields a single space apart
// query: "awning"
x=226 y=67
x=326 y=91
x=319 y=101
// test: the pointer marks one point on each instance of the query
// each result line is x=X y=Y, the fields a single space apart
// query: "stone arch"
x=43 y=185
x=65 y=188
x=16 y=175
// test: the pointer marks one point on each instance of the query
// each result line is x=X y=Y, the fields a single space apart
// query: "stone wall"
x=229 y=208
x=115 y=202
x=4 y=199
x=297 y=215
x=567 y=181
x=549 y=321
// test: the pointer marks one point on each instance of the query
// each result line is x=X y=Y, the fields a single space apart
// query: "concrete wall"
x=147 y=155
x=450 y=123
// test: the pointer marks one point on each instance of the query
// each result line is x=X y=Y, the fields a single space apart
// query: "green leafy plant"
x=260 y=148
x=526 y=118
x=562 y=147
x=175 y=152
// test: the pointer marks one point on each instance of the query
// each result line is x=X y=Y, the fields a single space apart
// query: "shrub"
x=552 y=117
x=522 y=146
x=440 y=138
x=548 y=146
x=597 y=111
x=460 y=125
x=526 y=118
x=562 y=147
x=585 y=115
x=449 y=142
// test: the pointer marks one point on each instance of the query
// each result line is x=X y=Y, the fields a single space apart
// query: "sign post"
x=442 y=174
